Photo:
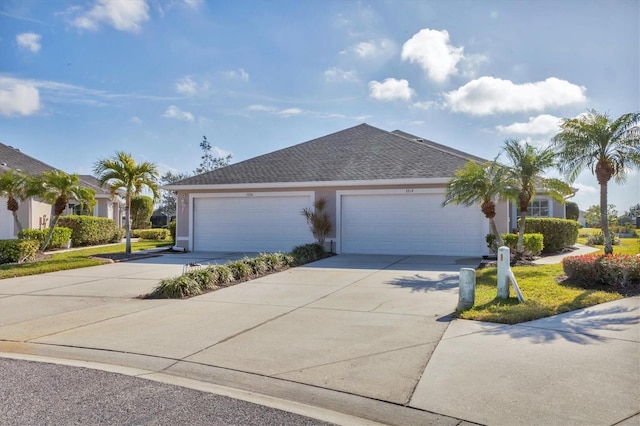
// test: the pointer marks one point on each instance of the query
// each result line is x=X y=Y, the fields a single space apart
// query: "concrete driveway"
x=363 y=325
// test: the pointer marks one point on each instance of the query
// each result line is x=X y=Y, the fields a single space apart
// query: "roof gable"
x=360 y=153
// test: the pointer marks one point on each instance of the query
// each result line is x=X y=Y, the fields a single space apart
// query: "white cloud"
x=261 y=108
x=432 y=51
x=373 y=49
x=176 y=113
x=544 y=124
x=123 y=15
x=18 y=98
x=490 y=95
x=238 y=74
x=186 y=86
x=390 y=89
x=29 y=41
x=426 y=105
x=334 y=74
x=584 y=188
x=290 y=111
x=135 y=120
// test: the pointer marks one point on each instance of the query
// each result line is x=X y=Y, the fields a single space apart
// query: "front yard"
x=545 y=291
x=73 y=259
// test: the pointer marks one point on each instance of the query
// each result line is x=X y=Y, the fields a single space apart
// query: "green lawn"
x=543 y=290
x=73 y=259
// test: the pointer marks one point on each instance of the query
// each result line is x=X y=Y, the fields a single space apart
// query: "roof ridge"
x=436 y=145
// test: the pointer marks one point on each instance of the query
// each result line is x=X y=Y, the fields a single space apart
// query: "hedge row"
x=91 y=230
x=195 y=282
x=59 y=239
x=558 y=233
x=533 y=243
x=596 y=269
x=156 y=234
x=17 y=251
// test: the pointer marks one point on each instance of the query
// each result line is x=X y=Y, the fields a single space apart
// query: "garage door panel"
x=265 y=223
x=409 y=224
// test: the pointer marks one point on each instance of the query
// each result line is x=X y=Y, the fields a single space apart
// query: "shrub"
x=239 y=269
x=613 y=270
x=557 y=233
x=597 y=239
x=59 y=239
x=272 y=260
x=172 y=230
x=257 y=264
x=223 y=275
x=157 y=234
x=533 y=243
x=176 y=288
x=307 y=253
x=205 y=278
x=18 y=251
x=318 y=220
x=91 y=230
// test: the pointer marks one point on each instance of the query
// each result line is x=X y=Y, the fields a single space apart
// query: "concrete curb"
x=255 y=398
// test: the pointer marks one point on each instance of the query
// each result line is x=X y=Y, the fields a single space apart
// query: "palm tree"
x=607 y=147
x=13 y=188
x=56 y=187
x=480 y=184
x=122 y=172
x=527 y=165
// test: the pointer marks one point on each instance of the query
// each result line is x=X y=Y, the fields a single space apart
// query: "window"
x=538 y=208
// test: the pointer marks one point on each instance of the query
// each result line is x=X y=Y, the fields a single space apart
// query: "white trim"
x=315 y=184
x=192 y=197
x=340 y=193
x=182 y=238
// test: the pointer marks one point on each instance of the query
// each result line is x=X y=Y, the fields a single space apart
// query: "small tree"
x=318 y=220
x=593 y=218
x=209 y=161
x=572 y=211
x=57 y=188
x=141 y=211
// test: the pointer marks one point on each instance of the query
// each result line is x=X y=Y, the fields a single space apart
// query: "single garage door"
x=250 y=223
x=409 y=224
x=6 y=221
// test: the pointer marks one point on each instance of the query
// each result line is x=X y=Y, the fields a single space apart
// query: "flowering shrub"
x=614 y=270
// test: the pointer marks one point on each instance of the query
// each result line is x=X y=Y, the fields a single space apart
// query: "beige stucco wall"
x=183 y=212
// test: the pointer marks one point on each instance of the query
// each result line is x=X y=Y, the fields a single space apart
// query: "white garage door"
x=409 y=224
x=6 y=221
x=257 y=223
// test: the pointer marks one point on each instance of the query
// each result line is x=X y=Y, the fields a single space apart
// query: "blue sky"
x=82 y=79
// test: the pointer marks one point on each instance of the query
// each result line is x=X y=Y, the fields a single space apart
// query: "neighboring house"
x=541 y=206
x=36 y=214
x=582 y=218
x=384 y=193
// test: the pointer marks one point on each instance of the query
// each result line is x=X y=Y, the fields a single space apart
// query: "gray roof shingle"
x=13 y=159
x=362 y=152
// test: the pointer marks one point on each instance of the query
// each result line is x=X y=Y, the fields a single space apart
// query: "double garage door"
x=384 y=222
x=409 y=223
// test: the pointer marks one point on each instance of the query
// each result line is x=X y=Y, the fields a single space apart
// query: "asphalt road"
x=34 y=393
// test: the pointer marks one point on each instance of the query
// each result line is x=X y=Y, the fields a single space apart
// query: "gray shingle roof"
x=13 y=158
x=362 y=152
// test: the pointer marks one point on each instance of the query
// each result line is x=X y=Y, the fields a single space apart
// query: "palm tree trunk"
x=604 y=220
x=127 y=225
x=523 y=219
x=494 y=231
x=16 y=221
x=52 y=224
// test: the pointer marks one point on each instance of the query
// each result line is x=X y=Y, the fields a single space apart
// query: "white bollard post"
x=504 y=265
x=467 y=290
